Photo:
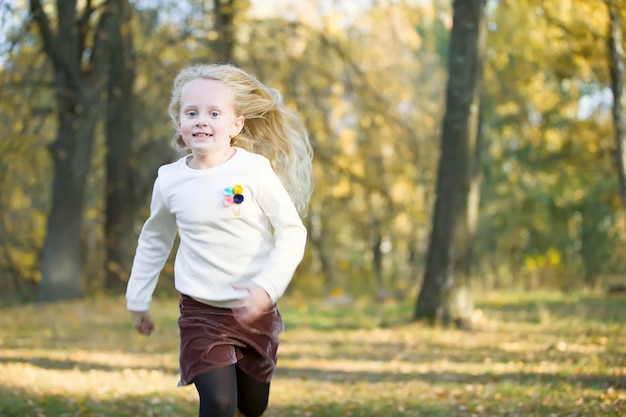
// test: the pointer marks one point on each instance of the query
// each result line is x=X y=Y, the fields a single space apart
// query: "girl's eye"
x=192 y=113
x=214 y=114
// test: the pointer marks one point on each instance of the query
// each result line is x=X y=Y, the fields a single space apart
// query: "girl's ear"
x=239 y=122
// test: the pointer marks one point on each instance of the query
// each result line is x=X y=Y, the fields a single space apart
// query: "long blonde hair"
x=270 y=129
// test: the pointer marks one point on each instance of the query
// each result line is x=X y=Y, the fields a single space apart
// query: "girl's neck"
x=209 y=161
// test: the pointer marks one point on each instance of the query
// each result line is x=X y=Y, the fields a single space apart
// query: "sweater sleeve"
x=289 y=234
x=153 y=248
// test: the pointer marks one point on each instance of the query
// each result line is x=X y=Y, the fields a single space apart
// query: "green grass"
x=537 y=354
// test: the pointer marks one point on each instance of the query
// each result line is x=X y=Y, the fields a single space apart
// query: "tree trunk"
x=77 y=111
x=315 y=225
x=445 y=296
x=121 y=163
x=616 y=68
x=473 y=202
x=377 y=254
x=62 y=257
x=224 y=11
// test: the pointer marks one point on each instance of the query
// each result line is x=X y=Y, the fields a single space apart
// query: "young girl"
x=235 y=199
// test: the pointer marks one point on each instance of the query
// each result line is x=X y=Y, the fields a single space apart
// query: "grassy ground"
x=533 y=355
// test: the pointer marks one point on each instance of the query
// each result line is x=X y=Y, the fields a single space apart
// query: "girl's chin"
x=201 y=146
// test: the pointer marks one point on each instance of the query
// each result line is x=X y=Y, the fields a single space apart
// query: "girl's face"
x=207 y=118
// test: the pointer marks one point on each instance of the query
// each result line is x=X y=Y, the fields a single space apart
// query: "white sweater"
x=259 y=241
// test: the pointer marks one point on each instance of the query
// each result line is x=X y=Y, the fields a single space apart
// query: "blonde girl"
x=235 y=198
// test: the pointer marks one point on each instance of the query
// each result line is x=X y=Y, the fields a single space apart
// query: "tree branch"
x=48 y=37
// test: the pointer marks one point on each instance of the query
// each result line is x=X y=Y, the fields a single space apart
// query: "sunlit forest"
x=369 y=78
x=461 y=149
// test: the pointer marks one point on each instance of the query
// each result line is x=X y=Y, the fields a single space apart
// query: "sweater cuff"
x=137 y=305
x=268 y=287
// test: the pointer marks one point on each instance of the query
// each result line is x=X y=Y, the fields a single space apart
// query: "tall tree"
x=72 y=50
x=224 y=13
x=444 y=295
x=121 y=162
x=616 y=69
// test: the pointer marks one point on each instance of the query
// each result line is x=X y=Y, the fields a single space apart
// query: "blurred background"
x=84 y=89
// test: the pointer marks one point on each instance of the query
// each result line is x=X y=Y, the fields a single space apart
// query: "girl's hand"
x=251 y=308
x=142 y=322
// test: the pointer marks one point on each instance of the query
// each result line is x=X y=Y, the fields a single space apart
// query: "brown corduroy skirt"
x=211 y=338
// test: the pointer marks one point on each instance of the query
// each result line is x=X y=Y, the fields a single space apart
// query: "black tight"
x=224 y=390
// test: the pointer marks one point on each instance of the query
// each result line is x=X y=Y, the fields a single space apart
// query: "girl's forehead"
x=204 y=91
x=206 y=84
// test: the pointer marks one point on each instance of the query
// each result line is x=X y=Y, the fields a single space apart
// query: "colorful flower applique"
x=233 y=197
